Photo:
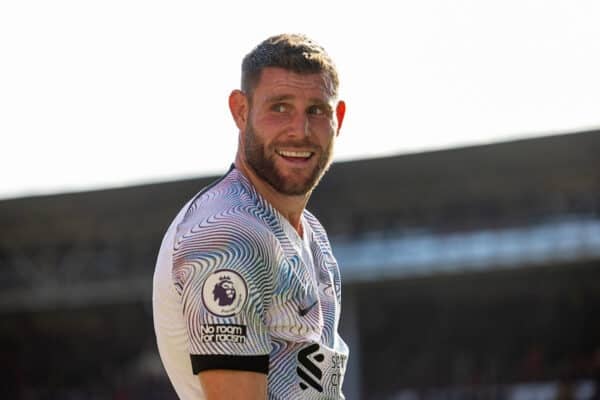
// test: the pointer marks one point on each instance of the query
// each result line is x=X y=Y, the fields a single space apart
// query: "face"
x=291 y=128
x=229 y=289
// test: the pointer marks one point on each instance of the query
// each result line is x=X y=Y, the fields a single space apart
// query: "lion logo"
x=224 y=291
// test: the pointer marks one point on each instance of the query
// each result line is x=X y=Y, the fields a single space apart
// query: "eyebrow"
x=276 y=99
x=284 y=97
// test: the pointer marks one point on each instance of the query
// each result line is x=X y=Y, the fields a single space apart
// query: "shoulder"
x=318 y=230
x=312 y=220
x=224 y=218
x=224 y=229
x=226 y=242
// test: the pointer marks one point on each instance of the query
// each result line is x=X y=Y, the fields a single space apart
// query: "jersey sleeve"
x=224 y=274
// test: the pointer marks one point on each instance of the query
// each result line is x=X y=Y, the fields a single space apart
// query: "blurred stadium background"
x=469 y=273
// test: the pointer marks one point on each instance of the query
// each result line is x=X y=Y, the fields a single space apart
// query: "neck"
x=291 y=207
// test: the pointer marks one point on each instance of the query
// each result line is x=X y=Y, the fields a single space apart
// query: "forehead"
x=278 y=81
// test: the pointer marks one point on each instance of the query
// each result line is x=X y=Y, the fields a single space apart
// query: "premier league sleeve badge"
x=224 y=293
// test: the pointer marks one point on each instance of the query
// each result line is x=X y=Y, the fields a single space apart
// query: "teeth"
x=298 y=154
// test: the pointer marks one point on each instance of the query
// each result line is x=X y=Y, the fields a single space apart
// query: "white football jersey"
x=236 y=287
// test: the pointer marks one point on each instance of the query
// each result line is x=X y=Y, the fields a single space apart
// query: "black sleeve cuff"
x=203 y=362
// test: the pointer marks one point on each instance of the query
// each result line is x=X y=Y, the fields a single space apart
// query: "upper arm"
x=225 y=278
x=220 y=384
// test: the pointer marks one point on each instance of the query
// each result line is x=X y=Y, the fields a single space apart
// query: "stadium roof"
x=530 y=202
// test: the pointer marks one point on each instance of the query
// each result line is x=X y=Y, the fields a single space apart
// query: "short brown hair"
x=293 y=52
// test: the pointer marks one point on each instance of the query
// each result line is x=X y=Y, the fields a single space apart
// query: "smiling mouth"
x=295 y=155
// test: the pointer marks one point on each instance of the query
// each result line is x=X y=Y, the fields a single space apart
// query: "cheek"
x=273 y=121
x=333 y=125
x=326 y=129
x=322 y=124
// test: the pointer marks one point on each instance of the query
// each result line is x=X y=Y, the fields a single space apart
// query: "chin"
x=296 y=188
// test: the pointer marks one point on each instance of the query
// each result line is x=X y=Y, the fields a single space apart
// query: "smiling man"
x=246 y=294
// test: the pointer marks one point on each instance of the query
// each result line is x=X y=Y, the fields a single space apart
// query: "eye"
x=315 y=110
x=279 y=107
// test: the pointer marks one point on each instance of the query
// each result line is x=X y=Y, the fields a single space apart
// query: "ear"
x=238 y=106
x=340 y=111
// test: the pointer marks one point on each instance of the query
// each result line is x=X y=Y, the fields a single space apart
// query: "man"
x=246 y=289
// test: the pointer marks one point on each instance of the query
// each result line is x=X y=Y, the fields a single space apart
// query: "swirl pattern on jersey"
x=291 y=309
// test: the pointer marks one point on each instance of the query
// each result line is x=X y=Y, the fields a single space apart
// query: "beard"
x=264 y=167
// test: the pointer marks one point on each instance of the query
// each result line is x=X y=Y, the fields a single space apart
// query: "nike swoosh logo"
x=304 y=311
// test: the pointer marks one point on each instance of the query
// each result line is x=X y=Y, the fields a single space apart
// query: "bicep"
x=230 y=384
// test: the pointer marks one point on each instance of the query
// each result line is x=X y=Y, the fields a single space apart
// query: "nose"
x=300 y=125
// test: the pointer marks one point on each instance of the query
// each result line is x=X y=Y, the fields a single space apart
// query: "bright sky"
x=108 y=93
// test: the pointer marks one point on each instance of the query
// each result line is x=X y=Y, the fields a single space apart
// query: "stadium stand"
x=469 y=273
